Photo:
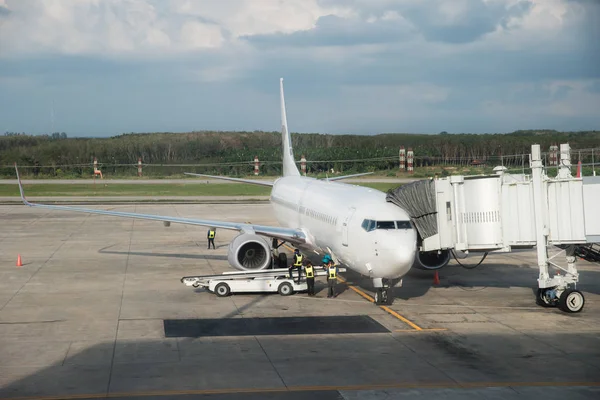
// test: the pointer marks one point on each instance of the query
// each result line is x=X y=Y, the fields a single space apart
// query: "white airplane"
x=354 y=224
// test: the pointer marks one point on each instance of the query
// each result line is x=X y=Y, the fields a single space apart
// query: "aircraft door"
x=345 y=224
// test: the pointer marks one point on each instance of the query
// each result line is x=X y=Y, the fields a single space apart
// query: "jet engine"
x=431 y=260
x=249 y=252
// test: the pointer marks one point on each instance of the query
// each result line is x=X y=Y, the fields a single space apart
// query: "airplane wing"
x=337 y=178
x=226 y=178
x=287 y=234
x=267 y=183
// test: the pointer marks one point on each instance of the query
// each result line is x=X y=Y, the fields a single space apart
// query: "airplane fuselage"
x=337 y=216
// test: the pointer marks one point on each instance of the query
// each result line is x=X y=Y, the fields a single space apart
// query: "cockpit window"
x=386 y=225
x=370 y=225
x=365 y=225
x=403 y=225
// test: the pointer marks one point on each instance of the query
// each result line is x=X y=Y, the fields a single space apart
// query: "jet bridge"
x=505 y=212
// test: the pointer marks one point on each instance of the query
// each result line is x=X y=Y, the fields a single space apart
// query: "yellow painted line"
x=372 y=300
x=432 y=385
x=401 y=318
x=357 y=290
x=385 y=308
x=421 y=330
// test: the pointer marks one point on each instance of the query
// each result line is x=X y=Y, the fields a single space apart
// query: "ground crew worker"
x=310 y=278
x=331 y=278
x=297 y=264
x=212 y=232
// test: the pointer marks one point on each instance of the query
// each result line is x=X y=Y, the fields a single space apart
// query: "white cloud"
x=254 y=17
x=132 y=27
x=196 y=35
x=369 y=60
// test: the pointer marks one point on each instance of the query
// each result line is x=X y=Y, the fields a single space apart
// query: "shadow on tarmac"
x=318 y=367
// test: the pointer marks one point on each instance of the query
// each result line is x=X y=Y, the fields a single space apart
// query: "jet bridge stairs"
x=505 y=212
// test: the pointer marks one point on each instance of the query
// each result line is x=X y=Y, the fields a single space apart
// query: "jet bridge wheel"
x=571 y=301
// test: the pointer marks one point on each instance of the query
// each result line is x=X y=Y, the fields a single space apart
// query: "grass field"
x=100 y=190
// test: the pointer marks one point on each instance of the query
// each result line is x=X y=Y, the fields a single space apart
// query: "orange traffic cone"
x=579 y=169
x=436 y=278
x=19 y=262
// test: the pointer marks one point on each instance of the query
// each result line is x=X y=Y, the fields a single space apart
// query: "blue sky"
x=105 y=67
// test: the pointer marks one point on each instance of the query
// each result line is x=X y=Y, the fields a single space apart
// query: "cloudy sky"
x=105 y=67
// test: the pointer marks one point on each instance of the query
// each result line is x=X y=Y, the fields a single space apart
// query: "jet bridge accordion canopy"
x=497 y=212
x=418 y=199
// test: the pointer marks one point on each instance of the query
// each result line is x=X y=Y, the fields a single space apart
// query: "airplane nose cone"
x=399 y=256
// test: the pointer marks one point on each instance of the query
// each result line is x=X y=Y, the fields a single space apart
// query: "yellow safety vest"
x=298 y=262
x=211 y=234
x=332 y=272
x=310 y=273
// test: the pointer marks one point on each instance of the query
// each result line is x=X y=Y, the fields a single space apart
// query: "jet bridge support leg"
x=556 y=291
x=552 y=291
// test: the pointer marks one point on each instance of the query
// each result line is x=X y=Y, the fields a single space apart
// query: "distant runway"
x=178 y=181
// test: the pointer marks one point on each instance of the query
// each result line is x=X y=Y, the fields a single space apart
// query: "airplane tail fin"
x=289 y=166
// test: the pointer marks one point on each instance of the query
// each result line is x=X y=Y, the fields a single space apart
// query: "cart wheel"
x=222 y=289
x=285 y=289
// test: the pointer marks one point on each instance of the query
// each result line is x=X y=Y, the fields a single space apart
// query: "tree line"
x=234 y=151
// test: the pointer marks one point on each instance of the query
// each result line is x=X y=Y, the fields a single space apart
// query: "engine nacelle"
x=431 y=260
x=249 y=252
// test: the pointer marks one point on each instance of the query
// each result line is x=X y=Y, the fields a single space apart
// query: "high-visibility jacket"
x=332 y=272
x=310 y=272
x=298 y=260
x=211 y=234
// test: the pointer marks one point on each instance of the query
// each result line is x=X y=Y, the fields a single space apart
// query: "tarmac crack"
x=112 y=360
x=425 y=359
x=271 y=362
x=62 y=243
x=35 y=221
x=32 y=322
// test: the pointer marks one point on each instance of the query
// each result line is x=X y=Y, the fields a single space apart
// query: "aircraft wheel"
x=378 y=297
x=540 y=298
x=285 y=289
x=571 y=301
x=282 y=260
x=387 y=299
x=222 y=289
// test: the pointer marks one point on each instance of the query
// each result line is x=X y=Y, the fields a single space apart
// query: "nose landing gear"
x=382 y=292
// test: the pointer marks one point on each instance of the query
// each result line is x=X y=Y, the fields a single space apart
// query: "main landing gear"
x=383 y=294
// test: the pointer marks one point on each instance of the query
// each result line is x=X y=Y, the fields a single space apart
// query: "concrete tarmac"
x=86 y=315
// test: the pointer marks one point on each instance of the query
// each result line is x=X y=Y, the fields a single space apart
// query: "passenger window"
x=403 y=225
